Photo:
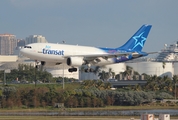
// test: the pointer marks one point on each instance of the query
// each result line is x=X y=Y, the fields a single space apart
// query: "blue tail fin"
x=137 y=41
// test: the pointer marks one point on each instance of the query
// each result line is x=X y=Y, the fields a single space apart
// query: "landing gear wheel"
x=36 y=66
x=86 y=70
x=89 y=70
x=72 y=70
x=43 y=63
x=75 y=69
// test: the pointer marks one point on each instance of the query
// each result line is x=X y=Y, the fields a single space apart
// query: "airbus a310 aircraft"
x=75 y=56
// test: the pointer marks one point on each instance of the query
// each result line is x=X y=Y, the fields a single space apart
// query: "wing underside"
x=107 y=55
x=97 y=57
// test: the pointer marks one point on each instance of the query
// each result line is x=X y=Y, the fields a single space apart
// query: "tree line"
x=89 y=93
x=28 y=73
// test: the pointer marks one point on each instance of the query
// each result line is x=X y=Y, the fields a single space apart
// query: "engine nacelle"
x=75 y=61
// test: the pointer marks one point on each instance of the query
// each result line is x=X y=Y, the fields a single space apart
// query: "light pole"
x=36 y=68
x=63 y=70
x=175 y=90
x=35 y=74
x=4 y=83
x=63 y=76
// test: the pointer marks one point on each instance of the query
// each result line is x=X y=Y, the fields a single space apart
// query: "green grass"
x=89 y=108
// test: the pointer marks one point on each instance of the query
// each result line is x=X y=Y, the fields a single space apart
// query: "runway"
x=72 y=118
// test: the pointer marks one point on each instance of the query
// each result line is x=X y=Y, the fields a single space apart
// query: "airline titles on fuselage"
x=48 y=50
x=53 y=52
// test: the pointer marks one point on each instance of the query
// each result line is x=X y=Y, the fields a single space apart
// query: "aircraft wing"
x=109 y=55
x=106 y=55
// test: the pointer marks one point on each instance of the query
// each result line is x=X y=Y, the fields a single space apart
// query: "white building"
x=153 y=68
x=36 y=39
x=56 y=72
x=8 y=58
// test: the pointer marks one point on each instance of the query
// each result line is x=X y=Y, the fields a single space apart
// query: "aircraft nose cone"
x=22 y=51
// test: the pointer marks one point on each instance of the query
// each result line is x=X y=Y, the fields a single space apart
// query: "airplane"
x=75 y=55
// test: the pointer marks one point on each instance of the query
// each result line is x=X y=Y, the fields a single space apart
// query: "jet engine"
x=75 y=61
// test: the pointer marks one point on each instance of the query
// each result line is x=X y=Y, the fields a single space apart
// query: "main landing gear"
x=43 y=63
x=89 y=70
x=75 y=70
x=38 y=65
x=72 y=69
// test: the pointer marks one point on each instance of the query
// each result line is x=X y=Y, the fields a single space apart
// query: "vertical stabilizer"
x=137 y=41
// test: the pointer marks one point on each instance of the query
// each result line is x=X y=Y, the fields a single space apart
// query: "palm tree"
x=106 y=75
x=102 y=75
x=175 y=79
x=164 y=65
x=111 y=73
x=127 y=73
x=96 y=70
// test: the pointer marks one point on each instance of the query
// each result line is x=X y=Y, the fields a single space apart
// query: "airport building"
x=8 y=59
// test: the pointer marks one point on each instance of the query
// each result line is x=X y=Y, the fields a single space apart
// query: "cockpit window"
x=27 y=47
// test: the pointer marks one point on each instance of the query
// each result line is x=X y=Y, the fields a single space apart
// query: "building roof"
x=5 y=58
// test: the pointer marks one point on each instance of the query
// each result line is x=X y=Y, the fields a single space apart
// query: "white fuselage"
x=54 y=53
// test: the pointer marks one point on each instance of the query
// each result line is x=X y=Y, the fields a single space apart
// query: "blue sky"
x=103 y=23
